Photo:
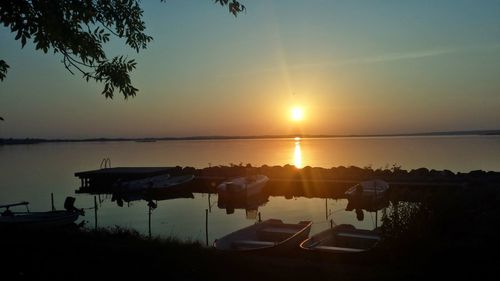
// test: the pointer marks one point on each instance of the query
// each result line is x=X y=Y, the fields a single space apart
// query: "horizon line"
x=282 y=136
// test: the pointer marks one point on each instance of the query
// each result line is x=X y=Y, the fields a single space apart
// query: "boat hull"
x=343 y=240
x=242 y=186
x=368 y=191
x=268 y=236
x=39 y=219
x=159 y=183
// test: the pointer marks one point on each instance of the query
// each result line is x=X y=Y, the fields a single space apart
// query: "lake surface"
x=32 y=172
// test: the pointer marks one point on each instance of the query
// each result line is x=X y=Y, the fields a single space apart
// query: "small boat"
x=342 y=239
x=271 y=234
x=128 y=197
x=173 y=182
x=249 y=185
x=156 y=183
x=10 y=219
x=141 y=184
x=368 y=190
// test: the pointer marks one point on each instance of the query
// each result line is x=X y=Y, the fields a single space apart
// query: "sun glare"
x=297 y=113
x=297 y=155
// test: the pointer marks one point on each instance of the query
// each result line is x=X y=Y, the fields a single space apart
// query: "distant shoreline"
x=14 y=141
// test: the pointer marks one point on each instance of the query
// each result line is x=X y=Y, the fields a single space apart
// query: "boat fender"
x=152 y=204
x=345 y=227
x=7 y=213
x=69 y=205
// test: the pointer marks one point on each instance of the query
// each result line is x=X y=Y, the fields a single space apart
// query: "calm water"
x=32 y=172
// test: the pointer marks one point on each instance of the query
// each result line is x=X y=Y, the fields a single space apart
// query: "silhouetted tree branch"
x=78 y=29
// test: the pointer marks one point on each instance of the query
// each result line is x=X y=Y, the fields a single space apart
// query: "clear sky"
x=355 y=67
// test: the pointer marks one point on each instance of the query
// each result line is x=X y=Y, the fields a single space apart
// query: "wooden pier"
x=287 y=182
x=103 y=179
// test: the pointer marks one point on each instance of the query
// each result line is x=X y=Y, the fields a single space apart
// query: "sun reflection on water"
x=297 y=155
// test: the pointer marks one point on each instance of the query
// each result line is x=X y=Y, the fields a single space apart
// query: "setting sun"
x=297 y=113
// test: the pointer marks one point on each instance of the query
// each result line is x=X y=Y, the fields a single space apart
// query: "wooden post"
x=95 y=212
x=149 y=221
x=326 y=208
x=52 y=201
x=209 y=205
x=206 y=226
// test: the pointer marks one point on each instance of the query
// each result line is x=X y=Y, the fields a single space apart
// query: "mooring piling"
x=206 y=226
x=149 y=221
x=95 y=212
x=209 y=204
x=52 y=201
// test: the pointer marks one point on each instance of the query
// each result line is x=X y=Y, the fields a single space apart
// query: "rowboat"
x=271 y=234
x=342 y=239
x=368 y=191
x=249 y=185
x=10 y=219
x=128 y=197
x=161 y=182
x=141 y=184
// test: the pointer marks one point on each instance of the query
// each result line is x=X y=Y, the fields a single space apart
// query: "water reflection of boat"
x=368 y=205
x=342 y=239
x=248 y=203
x=368 y=191
x=248 y=185
x=9 y=219
x=271 y=234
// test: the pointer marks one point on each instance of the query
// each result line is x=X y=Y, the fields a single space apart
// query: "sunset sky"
x=353 y=67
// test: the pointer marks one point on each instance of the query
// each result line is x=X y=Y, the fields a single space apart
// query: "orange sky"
x=355 y=68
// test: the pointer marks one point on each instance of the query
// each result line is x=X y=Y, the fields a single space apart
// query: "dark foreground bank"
x=450 y=235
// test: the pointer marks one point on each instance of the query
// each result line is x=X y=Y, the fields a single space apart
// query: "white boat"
x=342 y=239
x=128 y=197
x=271 y=234
x=249 y=185
x=368 y=190
x=141 y=184
x=156 y=183
x=10 y=219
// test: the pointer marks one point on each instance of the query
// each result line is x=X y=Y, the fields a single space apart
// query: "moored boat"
x=249 y=185
x=271 y=234
x=10 y=219
x=368 y=190
x=156 y=183
x=128 y=197
x=141 y=184
x=342 y=239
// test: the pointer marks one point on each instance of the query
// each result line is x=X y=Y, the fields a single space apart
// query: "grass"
x=448 y=235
